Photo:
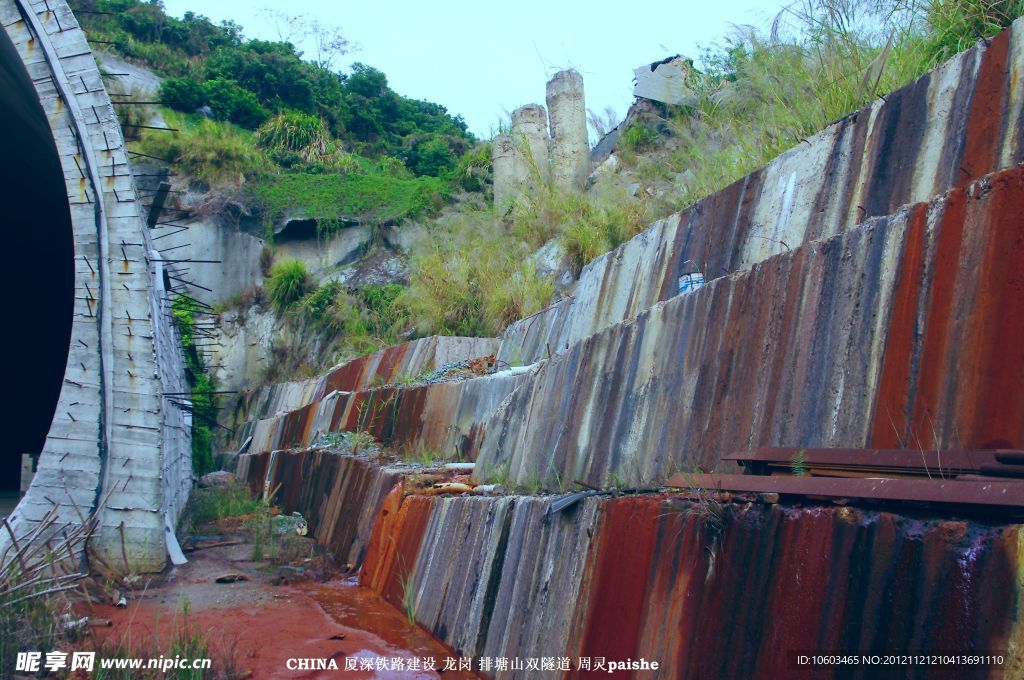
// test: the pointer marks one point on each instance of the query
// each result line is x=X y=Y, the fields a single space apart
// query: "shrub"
x=429 y=155
x=301 y=133
x=226 y=98
x=287 y=283
x=473 y=171
x=954 y=25
x=232 y=102
x=202 y=393
x=184 y=94
x=231 y=500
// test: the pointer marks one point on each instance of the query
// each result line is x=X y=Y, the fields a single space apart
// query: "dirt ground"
x=278 y=613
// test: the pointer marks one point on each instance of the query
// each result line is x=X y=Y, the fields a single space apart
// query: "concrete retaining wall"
x=898 y=333
x=732 y=590
x=407 y=360
x=340 y=496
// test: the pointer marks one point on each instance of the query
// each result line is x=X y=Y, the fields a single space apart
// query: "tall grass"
x=219 y=154
x=765 y=90
x=471 y=277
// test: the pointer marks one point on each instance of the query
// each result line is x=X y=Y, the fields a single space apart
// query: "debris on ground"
x=455 y=371
x=231 y=577
x=290 y=524
x=215 y=479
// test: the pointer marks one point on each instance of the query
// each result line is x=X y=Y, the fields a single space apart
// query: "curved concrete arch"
x=116 y=446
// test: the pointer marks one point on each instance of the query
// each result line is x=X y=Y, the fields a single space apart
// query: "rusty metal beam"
x=920 y=463
x=993 y=494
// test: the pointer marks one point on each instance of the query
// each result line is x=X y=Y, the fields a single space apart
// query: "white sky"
x=480 y=59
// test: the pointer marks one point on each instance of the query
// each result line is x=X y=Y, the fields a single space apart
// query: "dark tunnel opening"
x=38 y=272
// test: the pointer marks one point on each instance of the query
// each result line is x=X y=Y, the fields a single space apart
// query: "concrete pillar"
x=503 y=171
x=530 y=139
x=570 y=150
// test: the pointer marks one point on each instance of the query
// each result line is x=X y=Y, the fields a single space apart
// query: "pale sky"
x=481 y=59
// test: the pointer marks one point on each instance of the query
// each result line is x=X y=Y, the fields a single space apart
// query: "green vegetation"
x=407 y=583
x=762 y=92
x=332 y=198
x=638 y=137
x=203 y=392
x=29 y=624
x=297 y=133
x=287 y=283
x=186 y=642
x=247 y=81
x=798 y=464
x=220 y=154
x=473 y=278
x=222 y=502
x=364 y=320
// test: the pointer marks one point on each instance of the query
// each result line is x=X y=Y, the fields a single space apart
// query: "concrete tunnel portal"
x=92 y=351
x=38 y=276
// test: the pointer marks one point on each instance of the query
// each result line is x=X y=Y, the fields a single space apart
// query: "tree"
x=327 y=40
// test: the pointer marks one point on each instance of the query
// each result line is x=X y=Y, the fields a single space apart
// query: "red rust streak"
x=987 y=106
x=395 y=544
x=992 y=381
x=935 y=353
x=629 y=534
x=889 y=425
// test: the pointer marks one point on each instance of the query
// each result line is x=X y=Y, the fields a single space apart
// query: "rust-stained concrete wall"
x=706 y=593
x=395 y=363
x=340 y=496
x=115 y=446
x=901 y=332
x=834 y=317
x=840 y=335
x=442 y=419
x=948 y=128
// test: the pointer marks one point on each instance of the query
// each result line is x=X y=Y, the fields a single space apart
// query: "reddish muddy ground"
x=257 y=626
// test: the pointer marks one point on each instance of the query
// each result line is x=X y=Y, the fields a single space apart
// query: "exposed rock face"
x=244 y=346
x=322 y=253
x=215 y=479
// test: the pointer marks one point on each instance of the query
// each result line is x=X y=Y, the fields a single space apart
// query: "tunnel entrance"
x=38 y=267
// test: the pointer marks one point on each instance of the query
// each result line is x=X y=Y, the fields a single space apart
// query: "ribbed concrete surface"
x=443 y=419
x=706 y=590
x=901 y=332
x=114 y=438
x=386 y=366
x=487 y=576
